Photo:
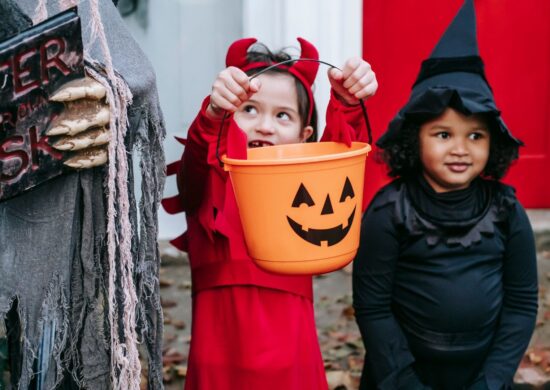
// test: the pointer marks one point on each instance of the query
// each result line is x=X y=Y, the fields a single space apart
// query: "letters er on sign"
x=33 y=65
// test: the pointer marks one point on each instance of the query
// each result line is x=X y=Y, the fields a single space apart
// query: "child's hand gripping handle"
x=352 y=84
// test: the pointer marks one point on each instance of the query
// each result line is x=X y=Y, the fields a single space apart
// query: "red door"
x=514 y=42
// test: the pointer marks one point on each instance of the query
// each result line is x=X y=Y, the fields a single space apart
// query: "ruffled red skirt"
x=250 y=338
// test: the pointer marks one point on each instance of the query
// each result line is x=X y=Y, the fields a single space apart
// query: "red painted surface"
x=514 y=42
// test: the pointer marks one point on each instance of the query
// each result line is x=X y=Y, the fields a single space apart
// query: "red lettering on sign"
x=21 y=111
x=15 y=148
x=52 y=62
x=29 y=107
x=20 y=72
x=41 y=144
x=29 y=63
x=6 y=155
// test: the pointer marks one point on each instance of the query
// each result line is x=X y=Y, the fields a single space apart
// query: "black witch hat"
x=454 y=77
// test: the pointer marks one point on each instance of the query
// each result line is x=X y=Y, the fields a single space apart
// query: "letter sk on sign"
x=33 y=65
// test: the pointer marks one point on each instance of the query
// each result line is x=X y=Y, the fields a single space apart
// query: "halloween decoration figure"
x=307 y=195
x=445 y=278
x=44 y=95
x=79 y=270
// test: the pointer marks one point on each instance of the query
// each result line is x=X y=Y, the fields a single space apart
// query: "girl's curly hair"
x=261 y=53
x=402 y=155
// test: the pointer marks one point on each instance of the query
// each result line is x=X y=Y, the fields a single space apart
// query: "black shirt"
x=444 y=286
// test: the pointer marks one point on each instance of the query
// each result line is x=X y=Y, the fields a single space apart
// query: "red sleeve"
x=344 y=123
x=200 y=176
x=192 y=174
x=201 y=154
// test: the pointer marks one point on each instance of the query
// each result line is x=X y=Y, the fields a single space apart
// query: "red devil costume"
x=251 y=329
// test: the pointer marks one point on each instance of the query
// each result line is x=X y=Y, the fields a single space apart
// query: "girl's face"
x=454 y=150
x=271 y=116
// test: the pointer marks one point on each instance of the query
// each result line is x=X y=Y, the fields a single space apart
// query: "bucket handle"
x=226 y=114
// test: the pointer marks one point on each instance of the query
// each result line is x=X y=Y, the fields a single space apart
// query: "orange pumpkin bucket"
x=300 y=204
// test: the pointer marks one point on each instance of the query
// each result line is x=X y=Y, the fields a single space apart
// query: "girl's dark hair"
x=502 y=154
x=261 y=53
x=402 y=156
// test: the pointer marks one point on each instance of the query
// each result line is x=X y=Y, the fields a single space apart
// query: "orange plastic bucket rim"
x=300 y=152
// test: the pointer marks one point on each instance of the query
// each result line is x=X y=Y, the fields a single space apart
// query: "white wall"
x=186 y=41
x=334 y=27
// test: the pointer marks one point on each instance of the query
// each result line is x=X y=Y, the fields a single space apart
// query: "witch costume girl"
x=445 y=279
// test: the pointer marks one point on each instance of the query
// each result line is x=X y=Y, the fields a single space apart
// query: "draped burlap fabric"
x=79 y=262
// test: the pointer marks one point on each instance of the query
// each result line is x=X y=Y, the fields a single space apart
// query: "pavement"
x=534 y=371
x=540 y=221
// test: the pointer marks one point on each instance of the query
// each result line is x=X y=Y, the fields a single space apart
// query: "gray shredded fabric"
x=54 y=258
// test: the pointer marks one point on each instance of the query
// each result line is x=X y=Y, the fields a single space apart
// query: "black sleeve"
x=388 y=357
x=518 y=316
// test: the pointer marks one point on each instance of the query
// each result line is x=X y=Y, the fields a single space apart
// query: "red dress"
x=250 y=329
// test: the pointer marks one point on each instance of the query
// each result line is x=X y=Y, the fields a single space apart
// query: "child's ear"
x=306 y=133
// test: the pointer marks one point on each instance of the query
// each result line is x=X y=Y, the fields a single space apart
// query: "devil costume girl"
x=251 y=329
x=445 y=283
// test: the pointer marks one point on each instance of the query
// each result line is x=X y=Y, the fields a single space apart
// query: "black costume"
x=445 y=285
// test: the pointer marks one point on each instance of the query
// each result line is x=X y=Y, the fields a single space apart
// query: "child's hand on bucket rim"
x=231 y=88
x=355 y=81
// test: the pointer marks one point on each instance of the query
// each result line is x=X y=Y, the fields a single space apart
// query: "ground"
x=338 y=334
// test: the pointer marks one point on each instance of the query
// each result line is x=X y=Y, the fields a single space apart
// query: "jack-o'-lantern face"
x=331 y=211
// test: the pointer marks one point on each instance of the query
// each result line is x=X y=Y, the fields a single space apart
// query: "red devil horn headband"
x=307 y=68
x=236 y=54
x=304 y=71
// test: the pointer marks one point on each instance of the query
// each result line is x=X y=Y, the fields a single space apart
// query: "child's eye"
x=443 y=135
x=284 y=116
x=250 y=109
x=476 y=135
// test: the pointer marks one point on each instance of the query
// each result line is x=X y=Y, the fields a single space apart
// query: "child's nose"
x=460 y=147
x=265 y=125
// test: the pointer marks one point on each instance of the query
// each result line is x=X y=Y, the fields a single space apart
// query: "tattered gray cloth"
x=79 y=263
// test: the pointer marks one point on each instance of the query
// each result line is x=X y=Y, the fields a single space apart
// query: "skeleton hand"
x=84 y=123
